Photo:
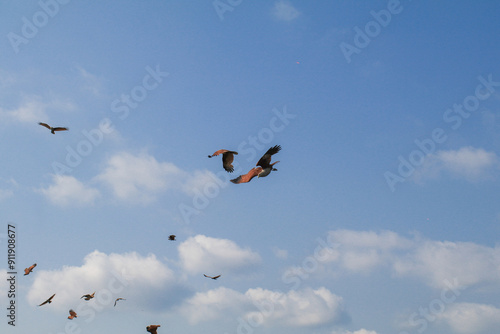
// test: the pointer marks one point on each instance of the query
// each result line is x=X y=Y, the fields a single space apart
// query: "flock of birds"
x=263 y=168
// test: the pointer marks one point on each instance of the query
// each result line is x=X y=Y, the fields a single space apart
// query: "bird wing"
x=227 y=160
x=60 y=129
x=265 y=160
x=48 y=300
x=248 y=176
x=117 y=299
x=215 y=277
x=216 y=153
x=45 y=125
x=152 y=328
x=29 y=269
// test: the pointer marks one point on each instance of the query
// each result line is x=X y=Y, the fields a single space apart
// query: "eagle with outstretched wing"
x=29 y=269
x=48 y=300
x=227 y=159
x=53 y=129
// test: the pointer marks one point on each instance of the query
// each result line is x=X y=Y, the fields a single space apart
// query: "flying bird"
x=87 y=296
x=29 y=269
x=48 y=300
x=264 y=167
x=72 y=314
x=117 y=299
x=227 y=159
x=212 y=277
x=265 y=161
x=171 y=237
x=52 y=130
x=152 y=328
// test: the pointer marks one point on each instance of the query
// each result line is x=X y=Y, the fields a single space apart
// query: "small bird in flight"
x=212 y=277
x=152 y=328
x=29 y=269
x=48 y=300
x=72 y=314
x=117 y=299
x=171 y=237
x=87 y=296
x=227 y=159
x=263 y=169
x=52 y=130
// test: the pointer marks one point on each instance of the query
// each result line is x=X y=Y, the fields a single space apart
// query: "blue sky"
x=382 y=217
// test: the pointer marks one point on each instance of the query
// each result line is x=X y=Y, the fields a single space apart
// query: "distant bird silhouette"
x=72 y=314
x=264 y=167
x=171 y=237
x=227 y=159
x=117 y=299
x=212 y=277
x=48 y=300
x=152 y=328
x=52 y=130
x=29 y=269
x=87 y=296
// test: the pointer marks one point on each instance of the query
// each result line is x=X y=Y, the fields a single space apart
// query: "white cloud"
x=285 y=11
x=436 y=263
x=32 y=110
x=261 y=307
x=211 y=256
x=296 y=308
x=213 y=304
x=365 y=250
x=470 y=318
x=143 y=279
x=141 y=177
x=67 y=190
x=469 y=163
x=361 y=331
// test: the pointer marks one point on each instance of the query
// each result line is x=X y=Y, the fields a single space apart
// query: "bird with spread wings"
x=29 y=269
x=117 y=299
x=212 y=277
x=263 y=169
x=227 y=159
x=88 y=296
x=53 y=129
x=48 y=300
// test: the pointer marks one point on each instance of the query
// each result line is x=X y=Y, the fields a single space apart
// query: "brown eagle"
x=227 y=159
x=52 y=130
